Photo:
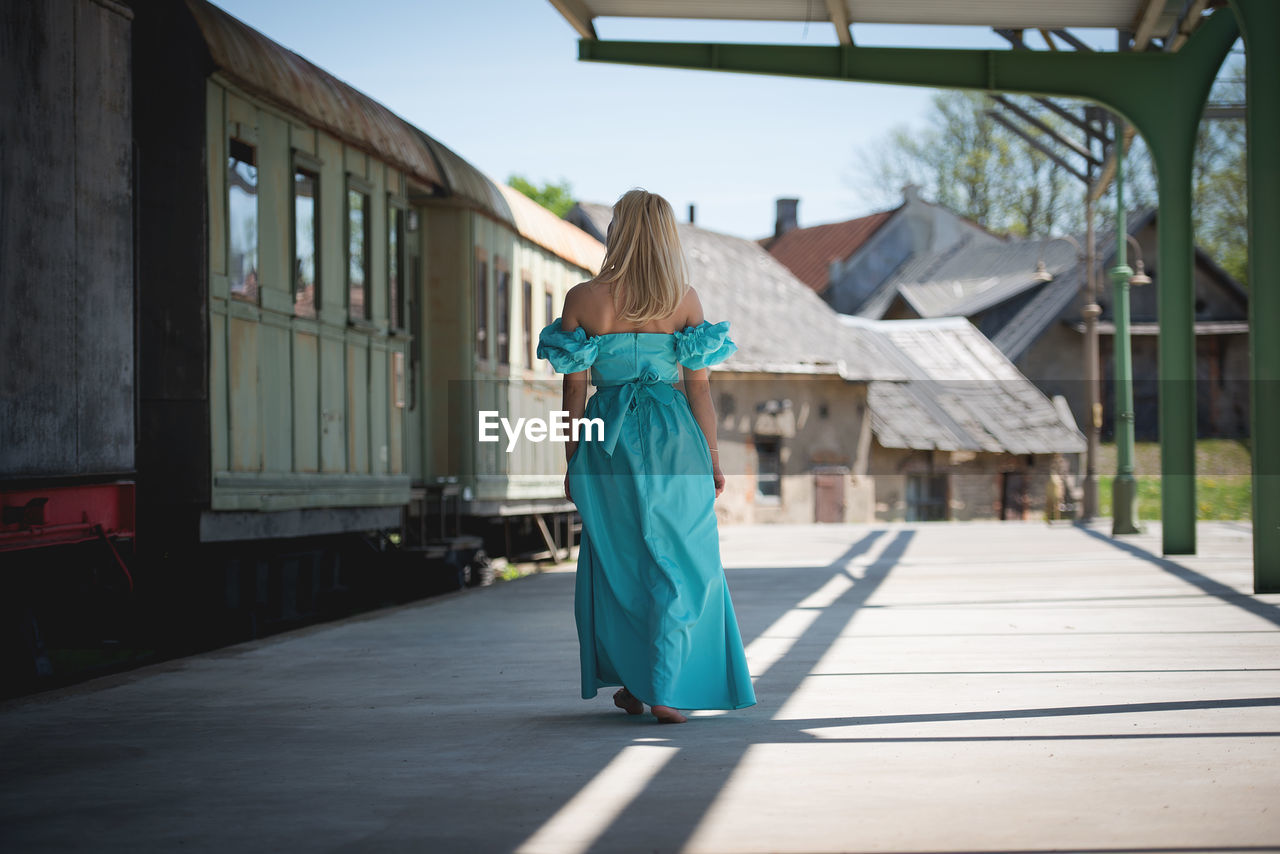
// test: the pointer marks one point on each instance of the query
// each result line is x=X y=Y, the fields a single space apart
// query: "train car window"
x=306 y=250
x=357 y=254
x=502 y=284
x=242 y=220
x=526 y=303
x=395 y=266
x=482 y=305
x=548 y=315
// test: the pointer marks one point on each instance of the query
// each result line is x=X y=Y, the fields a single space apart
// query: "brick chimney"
x=786 y=220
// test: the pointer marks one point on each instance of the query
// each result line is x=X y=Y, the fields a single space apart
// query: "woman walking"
x=651 y=603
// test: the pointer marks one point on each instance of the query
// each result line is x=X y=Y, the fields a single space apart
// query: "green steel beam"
x=1260 y=26
x=1162 y=94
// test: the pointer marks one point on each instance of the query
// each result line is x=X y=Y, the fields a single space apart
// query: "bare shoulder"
x=578 y=306
x=691 y=309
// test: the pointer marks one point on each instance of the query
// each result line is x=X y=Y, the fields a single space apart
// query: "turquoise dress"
x=651 y=601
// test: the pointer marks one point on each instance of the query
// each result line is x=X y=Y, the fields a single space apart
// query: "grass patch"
x=1224 y=489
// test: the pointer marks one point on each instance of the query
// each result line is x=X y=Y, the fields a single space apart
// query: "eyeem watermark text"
x=559 y=429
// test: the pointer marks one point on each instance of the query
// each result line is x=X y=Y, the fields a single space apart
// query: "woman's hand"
x=718 y=477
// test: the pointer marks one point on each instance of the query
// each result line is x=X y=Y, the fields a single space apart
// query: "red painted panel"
x=32 y=518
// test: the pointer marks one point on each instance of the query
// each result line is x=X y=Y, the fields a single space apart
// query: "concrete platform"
x=991 y=687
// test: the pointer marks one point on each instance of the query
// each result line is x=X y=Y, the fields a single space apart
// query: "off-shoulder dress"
x=651 y=602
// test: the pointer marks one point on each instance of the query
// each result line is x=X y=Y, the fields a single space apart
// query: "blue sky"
x=499 y=82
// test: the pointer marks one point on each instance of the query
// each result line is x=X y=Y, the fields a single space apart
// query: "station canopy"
x=1168 y=21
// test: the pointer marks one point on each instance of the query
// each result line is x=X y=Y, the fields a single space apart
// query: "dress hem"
x=596 y=693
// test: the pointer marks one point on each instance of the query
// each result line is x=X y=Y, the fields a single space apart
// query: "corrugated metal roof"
x=964 y=280
x=549 y=231
x=298 y=86
x=1048 y=14
x=808 y=252
x=779 y=323
x=962 y=394
x=592 y=218
x=467 y=183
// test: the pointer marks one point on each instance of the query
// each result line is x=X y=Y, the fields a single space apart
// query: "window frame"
x=480 y=303
x=761 y=476
x=397 y=304
x=548 y=310
x=234 y=138
x=502 y=309
x=304 y=162
x=356 y=184
x=526 y=313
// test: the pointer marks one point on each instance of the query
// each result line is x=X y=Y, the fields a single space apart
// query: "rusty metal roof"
x=541 y=226
x=298 y=86
x=468 y=184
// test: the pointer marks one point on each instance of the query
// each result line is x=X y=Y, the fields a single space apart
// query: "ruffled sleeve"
x=568 y=352
x=704 y=345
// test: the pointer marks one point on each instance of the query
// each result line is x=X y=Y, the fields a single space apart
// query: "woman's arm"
x=573 y=393
x=697 y=387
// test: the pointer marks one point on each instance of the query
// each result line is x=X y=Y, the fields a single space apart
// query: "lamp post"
x=1124 y=489
x=1092 y=371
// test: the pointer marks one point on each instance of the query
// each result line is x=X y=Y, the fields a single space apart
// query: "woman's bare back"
x=591 y=306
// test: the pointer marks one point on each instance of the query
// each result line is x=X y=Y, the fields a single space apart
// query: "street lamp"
x=1124 y=489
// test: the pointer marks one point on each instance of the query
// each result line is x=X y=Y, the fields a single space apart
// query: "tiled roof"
x=808 y=252
x=779 y=325
x=962 y=394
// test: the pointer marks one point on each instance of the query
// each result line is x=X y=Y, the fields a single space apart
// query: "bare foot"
x=626 y=701
x=667 y=715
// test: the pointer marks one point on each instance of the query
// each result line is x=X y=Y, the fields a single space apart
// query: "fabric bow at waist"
x=622 y=396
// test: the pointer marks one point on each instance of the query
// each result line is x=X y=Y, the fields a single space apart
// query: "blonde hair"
x=642 y=252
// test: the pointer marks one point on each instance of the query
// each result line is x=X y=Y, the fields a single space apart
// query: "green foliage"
x=1224 y=489
x=971 y=164
x=1223 y=497
x=555 y=197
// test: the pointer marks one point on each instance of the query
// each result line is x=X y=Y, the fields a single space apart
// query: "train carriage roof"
x=297 y=85
x=293 y=83
x=541 y=226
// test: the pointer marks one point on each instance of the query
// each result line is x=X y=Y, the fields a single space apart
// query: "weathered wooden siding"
x=66 y=245
x=303 y=410
x=457 y=383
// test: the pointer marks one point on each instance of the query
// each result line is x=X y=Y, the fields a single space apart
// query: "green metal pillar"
x=1162 y=94
x=1124 y=489
x=1260 y=26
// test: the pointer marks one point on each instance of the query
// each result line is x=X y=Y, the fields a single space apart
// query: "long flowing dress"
x=651 y=603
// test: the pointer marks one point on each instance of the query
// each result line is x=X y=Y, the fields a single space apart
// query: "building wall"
x=1055 y=361
x=825 y=425
x=975 y=481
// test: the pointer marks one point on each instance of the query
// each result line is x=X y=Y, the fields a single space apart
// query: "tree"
x=557 y=198
x=970 y=163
